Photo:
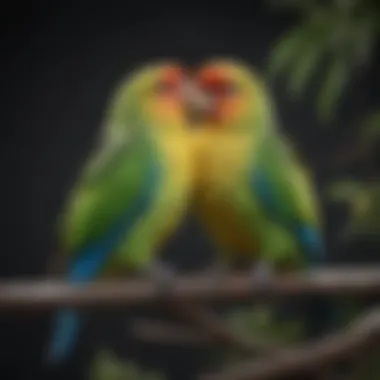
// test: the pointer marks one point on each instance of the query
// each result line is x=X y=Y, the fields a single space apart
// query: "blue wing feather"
x=308 y=236
x=89 y=263
x=264 y=190
x=311 y=242
x=321 y=315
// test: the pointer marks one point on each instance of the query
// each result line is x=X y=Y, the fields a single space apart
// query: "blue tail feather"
x=66 y=329
x=321 y=313
x=88 y=266
x=311 y=243
x=67 y=321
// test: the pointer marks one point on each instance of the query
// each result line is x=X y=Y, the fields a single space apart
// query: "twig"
x=203 y=320
x=219 y=331
x=308 y=357
x=162 y=333
x=47 y=294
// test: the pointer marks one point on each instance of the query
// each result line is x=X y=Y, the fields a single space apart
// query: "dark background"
x=59 y=64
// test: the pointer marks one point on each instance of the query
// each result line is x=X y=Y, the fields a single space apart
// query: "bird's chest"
x=221 y=163
x=176 y=162
x=221 y=168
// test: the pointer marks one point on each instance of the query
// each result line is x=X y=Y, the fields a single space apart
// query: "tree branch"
x=219 y=331
x=48 y=294
x=308 y=357
x=207 y=328
x=163 y=334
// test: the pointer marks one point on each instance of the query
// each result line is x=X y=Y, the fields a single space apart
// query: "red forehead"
x=212 y=75
x=173 y=74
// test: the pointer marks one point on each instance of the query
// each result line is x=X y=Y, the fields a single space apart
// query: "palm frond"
x=261 y=321
x=345 y=32
x=305 y=66
x=336 y=78
x=363 y=199
x=366 y=212
x=286 y=49
x=344 y=190
x=371 y=126
x=363 y=38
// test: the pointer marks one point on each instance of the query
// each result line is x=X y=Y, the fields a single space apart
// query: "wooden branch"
x=309 y=357
x=47 y=294
x=213 y=331
x=219 y=331
x=164 y=334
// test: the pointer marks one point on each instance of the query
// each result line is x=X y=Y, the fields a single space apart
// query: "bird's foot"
x=262 y=274
x=163 y=276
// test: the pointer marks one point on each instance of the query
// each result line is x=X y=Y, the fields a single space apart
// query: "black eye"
x=165 y=88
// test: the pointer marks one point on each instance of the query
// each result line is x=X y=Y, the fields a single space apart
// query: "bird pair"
x=208 y=142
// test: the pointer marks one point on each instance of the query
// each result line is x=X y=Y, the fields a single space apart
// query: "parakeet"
x=133 y=191
x=252 y=194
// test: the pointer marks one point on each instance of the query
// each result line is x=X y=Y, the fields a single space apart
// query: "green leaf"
x=343 y=191
x=347 y=30
x=287 y=48
x=366 y=212
x=106 y=367
x=304 y=67
x=336 y=79
x=364 y=202
x=260 y=321
x=364 y=37
x=371 y=126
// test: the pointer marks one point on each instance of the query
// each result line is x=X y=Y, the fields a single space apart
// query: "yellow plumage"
x=216 y=154
x=178 y=157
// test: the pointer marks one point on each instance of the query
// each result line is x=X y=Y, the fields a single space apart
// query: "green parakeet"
x=253 y=195
x=133 y=191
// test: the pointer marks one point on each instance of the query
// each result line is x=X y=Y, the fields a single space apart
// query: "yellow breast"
x=174 y=192
x=220 y=160
x=177 y=156
x=219 y=157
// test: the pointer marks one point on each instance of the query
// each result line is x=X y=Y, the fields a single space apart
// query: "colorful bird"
x=253 y=195
x=133 y=192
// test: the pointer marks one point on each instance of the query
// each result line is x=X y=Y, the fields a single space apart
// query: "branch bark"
x=309 y=357
x=207 y=329
x=164 y=334
x=48 y=294
x=217 y=330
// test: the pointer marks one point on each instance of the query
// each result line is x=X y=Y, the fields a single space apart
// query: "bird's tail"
x=67 y=322
x=322 y=315
x=65 y=334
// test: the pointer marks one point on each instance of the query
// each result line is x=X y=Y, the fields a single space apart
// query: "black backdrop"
x=59 y=63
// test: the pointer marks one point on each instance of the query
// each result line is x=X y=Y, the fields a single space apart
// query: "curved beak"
x=197 y=103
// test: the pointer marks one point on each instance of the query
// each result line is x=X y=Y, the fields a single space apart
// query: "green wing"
x=286 y=195
x=115 y=189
